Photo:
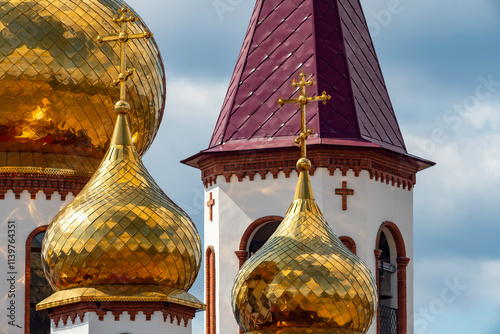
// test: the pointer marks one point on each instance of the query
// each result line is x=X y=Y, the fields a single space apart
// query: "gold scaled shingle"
x=121 y=238
x=56 y=98
x=304 y=280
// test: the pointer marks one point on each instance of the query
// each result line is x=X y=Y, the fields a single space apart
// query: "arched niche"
x=36 y=286
x=256 y=235
x=390 y=250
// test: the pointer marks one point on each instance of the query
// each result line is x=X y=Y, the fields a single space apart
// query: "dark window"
x=386 y=270
x=260 y=237
x=39 y=288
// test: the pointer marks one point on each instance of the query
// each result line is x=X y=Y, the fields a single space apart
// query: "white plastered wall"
x=27 y=214
x=238 y=204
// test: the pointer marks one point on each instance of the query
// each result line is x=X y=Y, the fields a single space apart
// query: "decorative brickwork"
x=27 y=277
x=35 y=181
x=171 y=312
x=402 y=262
x=396 y=234
x=349 y=243
x=242 y=253
x=382 y=166
x=210 y=292
x=210 y=204
x=344 y=192
x=402 y=299
x=377 y=253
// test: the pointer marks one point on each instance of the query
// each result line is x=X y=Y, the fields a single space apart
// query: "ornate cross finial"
x=302 y=100
x=123 y=18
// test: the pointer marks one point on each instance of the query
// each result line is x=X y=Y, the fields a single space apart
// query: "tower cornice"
x=383 y=166
x=46 y=180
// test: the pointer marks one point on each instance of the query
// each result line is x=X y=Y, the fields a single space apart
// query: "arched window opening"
x=390 y=256
x=256 y=235
x=349 y=243
x=386 y=271
x=261 y=236
x=39 y=288
x=210 y=315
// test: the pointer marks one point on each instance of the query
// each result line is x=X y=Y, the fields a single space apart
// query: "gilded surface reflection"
x=124 y=293
x=121 y=238
x=304 y=280
x=56 y=94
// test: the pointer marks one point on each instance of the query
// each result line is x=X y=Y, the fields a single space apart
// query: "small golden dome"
x=304 y=280
x=56 y=94
x=121 y=238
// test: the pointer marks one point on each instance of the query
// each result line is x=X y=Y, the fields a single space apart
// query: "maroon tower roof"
x=327 y=39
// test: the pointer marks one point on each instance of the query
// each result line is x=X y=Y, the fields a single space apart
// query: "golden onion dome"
x=304 y=280
x=56 y=94
x=121 y=238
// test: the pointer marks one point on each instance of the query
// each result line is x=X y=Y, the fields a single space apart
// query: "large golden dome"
x=56 y=99
x=121 y=238
x=304 y=280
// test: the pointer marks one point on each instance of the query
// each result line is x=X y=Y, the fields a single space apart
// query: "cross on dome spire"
x=125 y=16
x=302 y=100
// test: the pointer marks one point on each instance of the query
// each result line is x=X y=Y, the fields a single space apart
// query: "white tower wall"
x=238 y=204
x=26 y=215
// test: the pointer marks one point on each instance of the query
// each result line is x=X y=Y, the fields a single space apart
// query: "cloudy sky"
x=441 y=62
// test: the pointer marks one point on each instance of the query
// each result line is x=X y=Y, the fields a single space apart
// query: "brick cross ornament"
x=210 y=204
x=344 y=192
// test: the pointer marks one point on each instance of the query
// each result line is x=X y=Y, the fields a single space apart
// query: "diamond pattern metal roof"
x=327 y=39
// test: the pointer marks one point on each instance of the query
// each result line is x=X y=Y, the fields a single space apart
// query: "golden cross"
x=124 y=16
x=302 y=100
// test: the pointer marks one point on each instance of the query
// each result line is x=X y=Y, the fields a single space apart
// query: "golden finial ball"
x=122 y=107
x=303 y=164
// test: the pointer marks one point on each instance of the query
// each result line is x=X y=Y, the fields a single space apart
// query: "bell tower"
x=361 y=174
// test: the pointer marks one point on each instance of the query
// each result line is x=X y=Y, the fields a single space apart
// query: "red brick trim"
x=172 y=312
x=402 y=299
x=210 y=293
x=349 y=243
x=378 y=253
x=27 y=277
x=383 y=166
x=210 y=204
x=344 y=192
x=402 y=261
x=242 y=253
x=36 y=182
x=396 y=234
